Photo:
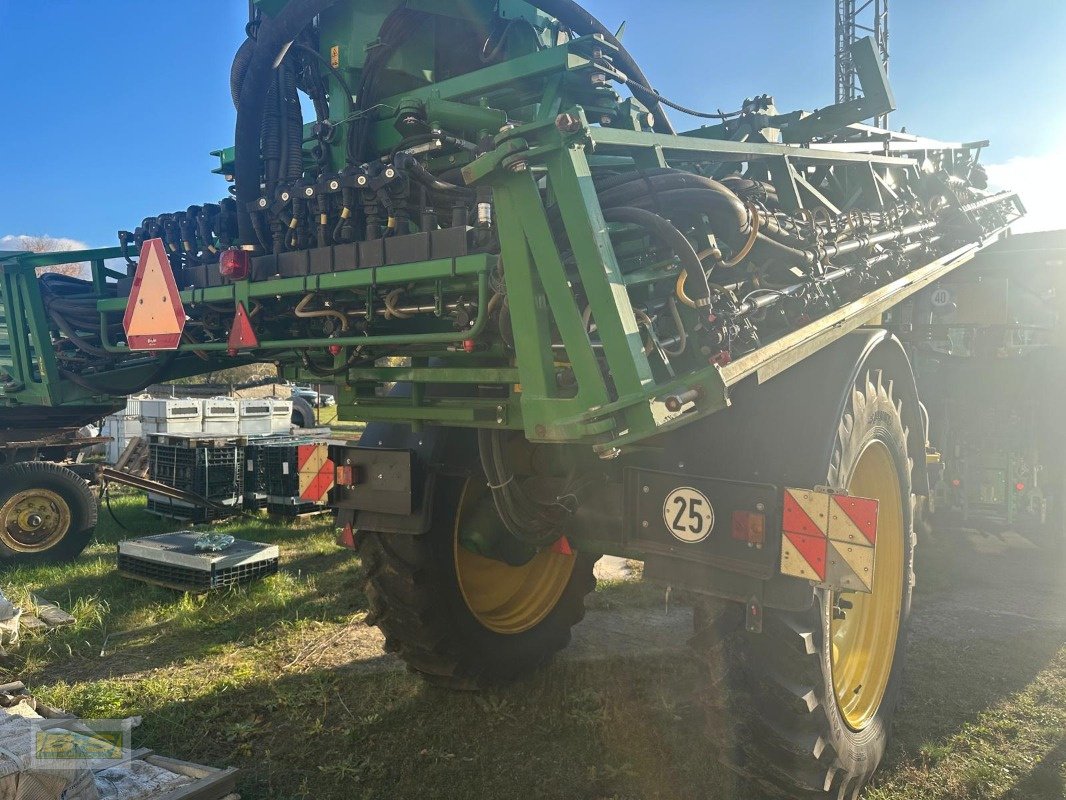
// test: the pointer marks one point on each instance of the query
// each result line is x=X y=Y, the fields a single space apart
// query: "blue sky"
x=111 y=107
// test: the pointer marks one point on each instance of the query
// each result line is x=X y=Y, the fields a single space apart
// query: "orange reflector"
x=345 y=476
x=750 y=527
x=155 y=317
x=347 y=537
x=562 y=547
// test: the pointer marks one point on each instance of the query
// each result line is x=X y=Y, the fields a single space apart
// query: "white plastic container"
x=255 y=417
x=171 y=415
x=120 y=429
x=221 y=416
x=281 y=416
x=133 y=405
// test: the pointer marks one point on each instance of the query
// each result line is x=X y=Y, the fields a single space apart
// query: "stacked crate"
x=211 y=467
x=255 y=417
x=144 y=416
x=280 y=416
x=222 y=416
x=256 y=482
x=298 y=476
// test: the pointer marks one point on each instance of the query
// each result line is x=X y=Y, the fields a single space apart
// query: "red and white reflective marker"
x=829 y=539
x=317 y=473
x=155 y=317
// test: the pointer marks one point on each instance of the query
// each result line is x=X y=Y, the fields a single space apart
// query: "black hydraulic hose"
x=240 y=69
x=584 y=24
x=728 y=216
x=294 y=123
x=646 y=183
x=397 y=28
x=666 y=233
x=336 y=73
x=612 y=181
x=633 y=84
x=643 y=187
x=530 y=521
x=423 y=176
x=274 y=36
x=118 y=391
x=67 y=330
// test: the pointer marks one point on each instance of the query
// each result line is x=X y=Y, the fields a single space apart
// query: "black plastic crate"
x=184 y=512
x=294 y=509
x=281 y=476
x=282 y=470
x=258 y=463
x=213 y=469
x=171 y=560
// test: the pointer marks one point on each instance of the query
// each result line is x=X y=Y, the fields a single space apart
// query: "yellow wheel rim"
x=864 y=641
x=505 y=599
x=33 y=521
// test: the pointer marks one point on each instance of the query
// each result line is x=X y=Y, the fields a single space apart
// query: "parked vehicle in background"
x=314 y=397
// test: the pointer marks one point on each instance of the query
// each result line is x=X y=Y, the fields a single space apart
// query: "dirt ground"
x=972 y=584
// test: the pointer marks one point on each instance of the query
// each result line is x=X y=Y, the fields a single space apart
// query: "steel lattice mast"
x=855 y=19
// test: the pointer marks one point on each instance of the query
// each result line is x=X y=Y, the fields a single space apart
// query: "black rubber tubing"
x=666 y=233
x=275 y=34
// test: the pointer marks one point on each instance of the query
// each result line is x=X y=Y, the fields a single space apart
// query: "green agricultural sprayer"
x=572 y=331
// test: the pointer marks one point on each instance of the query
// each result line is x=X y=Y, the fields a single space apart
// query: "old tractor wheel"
x=816 y=691
x=47 y=513
x=462 y=620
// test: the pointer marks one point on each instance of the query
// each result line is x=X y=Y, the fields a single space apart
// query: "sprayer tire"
x=775 y=690
x=415 y=598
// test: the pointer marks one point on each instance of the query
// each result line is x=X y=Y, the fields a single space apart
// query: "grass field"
x=284 y=681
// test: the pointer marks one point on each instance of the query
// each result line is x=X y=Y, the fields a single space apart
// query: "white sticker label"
x=941 y=298
x=688 y=515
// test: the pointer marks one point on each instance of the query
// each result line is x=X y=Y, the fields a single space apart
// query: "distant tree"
x=49 y=244
x=249 y=373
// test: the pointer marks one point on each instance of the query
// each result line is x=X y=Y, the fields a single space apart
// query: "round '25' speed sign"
x=688 y=514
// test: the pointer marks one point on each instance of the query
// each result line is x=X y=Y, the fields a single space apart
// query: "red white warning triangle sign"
x=242 y=335
x=155 y=317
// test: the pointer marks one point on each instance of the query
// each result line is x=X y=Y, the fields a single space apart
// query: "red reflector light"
x=956 y=483
x=235 y=264
x=750 y=527
x=1019 y=487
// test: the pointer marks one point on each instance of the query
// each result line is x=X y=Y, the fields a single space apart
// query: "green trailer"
x=572 y=331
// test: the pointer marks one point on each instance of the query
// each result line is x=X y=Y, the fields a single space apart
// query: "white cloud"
x=49 y=244
x=54 y=244
x=1040 y=182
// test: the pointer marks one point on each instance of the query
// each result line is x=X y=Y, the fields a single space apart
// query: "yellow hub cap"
x=506 y=599
x=33 y=521
x=864 y=641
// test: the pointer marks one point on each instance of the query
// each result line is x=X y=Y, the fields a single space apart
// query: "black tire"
x=303 y=414
x=416 y=600
x=776 y=687
x=66 y=490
